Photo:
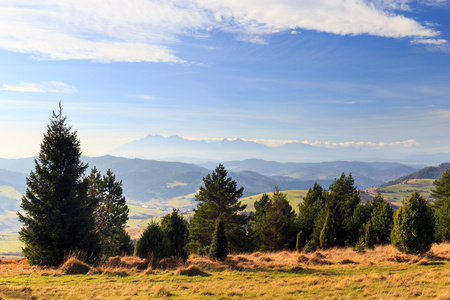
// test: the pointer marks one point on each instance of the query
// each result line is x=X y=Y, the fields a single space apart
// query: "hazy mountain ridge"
x=152 y=181
x=424 y=173
x=200 y=151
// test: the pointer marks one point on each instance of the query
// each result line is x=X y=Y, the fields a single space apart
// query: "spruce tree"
x=58 y=216
x=219 y=245
x=326 y=234
x=342 y=200
x=176 y=229
x=369 y=238
x=441 y=205
x=219 y=198
x=382 y=220
x=413 y=230
x=153 y=244
x=278 y=230
x=309 y=210
x=111 y=213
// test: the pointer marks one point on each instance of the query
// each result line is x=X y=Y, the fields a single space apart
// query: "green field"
x=10 y=192
x=10 y=244
x=295 y=197
x=397 y=193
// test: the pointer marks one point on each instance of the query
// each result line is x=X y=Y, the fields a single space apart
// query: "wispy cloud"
x=351 y=102
x=429 y=41
x=139 y=30
x=374 y=145
x=143 y=97
x=43 y=87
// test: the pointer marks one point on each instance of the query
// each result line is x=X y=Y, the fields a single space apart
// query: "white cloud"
x=43 y=87
x=429 y=41
x=373 y=145
x=142 y=30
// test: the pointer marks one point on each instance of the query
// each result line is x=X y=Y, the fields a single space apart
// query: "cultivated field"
x=382 y=273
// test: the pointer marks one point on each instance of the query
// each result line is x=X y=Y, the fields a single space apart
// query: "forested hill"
x=425 y=173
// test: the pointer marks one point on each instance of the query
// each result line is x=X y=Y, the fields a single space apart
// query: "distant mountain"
x=366 y=174
x=14 y=179
x=425 y=173
x=175 y=148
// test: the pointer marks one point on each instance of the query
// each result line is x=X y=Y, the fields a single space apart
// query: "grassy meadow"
x=339 y=273
x=295 y=197
x=396 y=193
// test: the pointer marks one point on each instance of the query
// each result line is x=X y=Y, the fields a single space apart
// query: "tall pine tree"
x=58 y=216
x=441 y=204
x=218 y=198
x=111 y=213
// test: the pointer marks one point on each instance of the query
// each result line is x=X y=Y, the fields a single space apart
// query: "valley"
x=154 y=188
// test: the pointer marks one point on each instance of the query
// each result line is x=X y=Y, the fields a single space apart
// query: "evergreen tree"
x=300 y=241
x=326 y=234
x=441 y=205
x=342 y=200
x=111 y=213
x=413 y=230
x=278 y=230
x=219 y=244
x=58 y=215
x=261 y=207
x=309 y=210
x=153 y=244
x=382 y=220
x=369 y=238
x=361 y=215
x=219 y=198
x=176 y=229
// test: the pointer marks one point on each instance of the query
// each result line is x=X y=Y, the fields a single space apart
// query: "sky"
x=331 y=73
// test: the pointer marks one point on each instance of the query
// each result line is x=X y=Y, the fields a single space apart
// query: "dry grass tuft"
x=318 y=261
x=265 y=259
x=116 y=272
x=191 y=271
x=318 y=255
x=240 y=258
x=347 y=261
x=398 y=258
x=170 y=263
x=126 y=262
x=74 y=266
x=256 y=254
x=161 y=291
x=302 y=258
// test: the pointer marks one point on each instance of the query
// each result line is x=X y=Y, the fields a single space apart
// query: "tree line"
x=66 y=212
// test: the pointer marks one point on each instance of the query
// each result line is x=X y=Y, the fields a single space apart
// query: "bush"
x=153 y=244
x=413 y=230
x=176 y=229
x=219 y=245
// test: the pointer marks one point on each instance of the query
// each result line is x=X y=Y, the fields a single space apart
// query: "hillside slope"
x=425 y=173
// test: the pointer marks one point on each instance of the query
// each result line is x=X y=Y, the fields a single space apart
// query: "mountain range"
x=175 y=148
x=151 y=181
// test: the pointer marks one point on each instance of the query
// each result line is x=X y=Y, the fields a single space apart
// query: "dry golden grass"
x=376 y=274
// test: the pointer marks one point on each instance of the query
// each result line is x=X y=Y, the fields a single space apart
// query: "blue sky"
x=354 y=73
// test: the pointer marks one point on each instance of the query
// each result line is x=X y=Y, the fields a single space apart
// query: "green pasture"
x=397 y=193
